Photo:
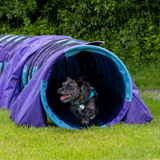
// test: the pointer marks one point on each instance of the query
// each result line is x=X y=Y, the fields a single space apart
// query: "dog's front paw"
x=85 y=122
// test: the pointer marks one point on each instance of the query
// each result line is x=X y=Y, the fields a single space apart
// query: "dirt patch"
x=153 y=94
x=157 y=92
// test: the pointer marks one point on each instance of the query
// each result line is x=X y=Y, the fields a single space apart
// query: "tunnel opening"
x=100 y=72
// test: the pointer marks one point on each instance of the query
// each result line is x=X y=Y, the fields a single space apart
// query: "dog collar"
x=79 y=99
x=93 y=93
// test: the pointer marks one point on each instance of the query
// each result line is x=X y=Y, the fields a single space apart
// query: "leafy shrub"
x=130 y=29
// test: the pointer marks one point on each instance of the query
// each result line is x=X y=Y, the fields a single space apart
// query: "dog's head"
x=70 y=89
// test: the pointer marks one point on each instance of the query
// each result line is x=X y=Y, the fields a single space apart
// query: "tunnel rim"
x=120 y=66
x=93 y=49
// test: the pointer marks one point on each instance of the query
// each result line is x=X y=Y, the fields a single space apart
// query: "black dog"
x=82 y=99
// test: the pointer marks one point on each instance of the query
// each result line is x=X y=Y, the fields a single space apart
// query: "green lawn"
x=121 y=141
x=147 y=78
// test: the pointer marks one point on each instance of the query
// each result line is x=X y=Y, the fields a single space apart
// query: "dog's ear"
x=79 y=81
x=67 y=78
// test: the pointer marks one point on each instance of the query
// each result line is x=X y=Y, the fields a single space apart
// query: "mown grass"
x=121 y=141
x=147 y=77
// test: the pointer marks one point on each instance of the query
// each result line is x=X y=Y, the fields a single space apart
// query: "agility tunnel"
x=32 y=68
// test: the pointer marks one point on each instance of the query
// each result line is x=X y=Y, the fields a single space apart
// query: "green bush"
x=130 y=29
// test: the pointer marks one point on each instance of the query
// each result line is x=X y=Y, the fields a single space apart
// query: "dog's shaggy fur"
x=79 y=90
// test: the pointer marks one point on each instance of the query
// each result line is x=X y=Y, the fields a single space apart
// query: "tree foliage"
x=130 y=28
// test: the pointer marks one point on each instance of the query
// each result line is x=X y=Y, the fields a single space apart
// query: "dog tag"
x=81 y=106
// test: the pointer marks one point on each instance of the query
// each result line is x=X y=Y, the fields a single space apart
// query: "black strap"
x=4 y=58
x=60 y=48
x=32 y=65
x=23 y=39
x=2 y=68
x=49 y=49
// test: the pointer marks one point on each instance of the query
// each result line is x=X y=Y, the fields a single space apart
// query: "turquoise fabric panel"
x=71 y=41
x=9 y=39
x=35 y=69
x=24 y=74
x=62 y=40
x=75 y=41
x=5 y=64
x=4 y=37
x=26 y=39
x=0 y=67
x=18 y=39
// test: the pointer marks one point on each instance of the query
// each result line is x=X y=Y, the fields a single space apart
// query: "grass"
x=146 y=78
x=121 y=141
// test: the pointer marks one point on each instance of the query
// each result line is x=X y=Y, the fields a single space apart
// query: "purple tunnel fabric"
x=25 y=103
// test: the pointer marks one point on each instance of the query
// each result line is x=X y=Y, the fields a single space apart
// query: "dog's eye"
x=69 y=85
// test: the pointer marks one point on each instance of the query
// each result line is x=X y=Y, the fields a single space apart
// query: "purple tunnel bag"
x=32 y=68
